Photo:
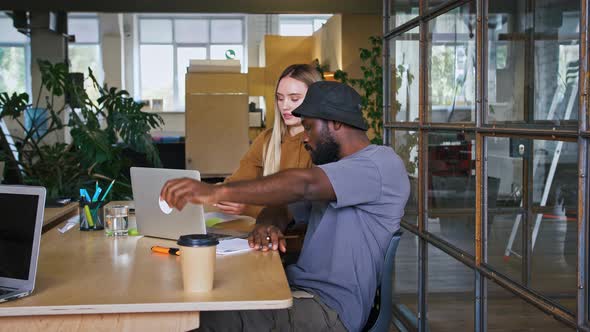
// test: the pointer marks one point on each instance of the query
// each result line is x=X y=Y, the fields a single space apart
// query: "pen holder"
x=89 y=217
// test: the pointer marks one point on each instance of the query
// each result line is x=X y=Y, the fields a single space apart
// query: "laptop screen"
x=17 y=231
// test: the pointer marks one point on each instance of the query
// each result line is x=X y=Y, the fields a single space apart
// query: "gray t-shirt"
x=347 y=239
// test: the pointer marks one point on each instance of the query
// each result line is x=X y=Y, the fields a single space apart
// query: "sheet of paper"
x=69 y=225
x=232 y=246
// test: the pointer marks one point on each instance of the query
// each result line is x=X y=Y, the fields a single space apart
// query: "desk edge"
x=139 y=308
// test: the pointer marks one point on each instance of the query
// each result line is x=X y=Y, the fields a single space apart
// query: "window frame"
x=485 y=274
x=27 y=51
x=86 y=16
x=179 y=105
x=302 y=19
x=99 y=75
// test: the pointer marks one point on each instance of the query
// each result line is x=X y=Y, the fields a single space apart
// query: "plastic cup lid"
x=197 y=240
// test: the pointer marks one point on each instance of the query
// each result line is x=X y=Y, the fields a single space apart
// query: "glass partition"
x=402 y=12
x=450 y=300
x=405 y=284
x=533 y=62
x=451 y=66
x=405 y=143
x=451 y=188
x=507 y=312
x=404 y=65
x=529 y=148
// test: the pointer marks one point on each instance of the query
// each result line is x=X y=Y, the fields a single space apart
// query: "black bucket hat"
x=332 y=101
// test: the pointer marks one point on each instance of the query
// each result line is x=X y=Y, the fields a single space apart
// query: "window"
x=14 y=58
x=168 y=43
x=301 y=25
x=492 y=128
x=84 y=52
x=451 y=63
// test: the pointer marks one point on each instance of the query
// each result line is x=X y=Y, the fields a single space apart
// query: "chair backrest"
x=380 y=316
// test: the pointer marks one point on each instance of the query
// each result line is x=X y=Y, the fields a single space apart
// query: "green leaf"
x=13 y=105
x=365 y=54
x=53 y=76
x=101 y=131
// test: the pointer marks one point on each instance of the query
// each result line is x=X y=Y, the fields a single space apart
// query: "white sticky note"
x=166 y=209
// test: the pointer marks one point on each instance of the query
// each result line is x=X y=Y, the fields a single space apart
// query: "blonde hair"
x=305 y=73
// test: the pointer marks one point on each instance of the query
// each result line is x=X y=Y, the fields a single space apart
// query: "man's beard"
x=326 y=151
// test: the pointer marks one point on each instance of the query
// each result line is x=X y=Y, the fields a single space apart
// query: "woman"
x=280 y=147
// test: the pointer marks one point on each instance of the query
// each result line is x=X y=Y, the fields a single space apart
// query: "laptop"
x=155 y=219
x=21 y=211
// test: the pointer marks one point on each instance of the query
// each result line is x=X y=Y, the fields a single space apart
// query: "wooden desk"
x=86 y=281
x=55 y=215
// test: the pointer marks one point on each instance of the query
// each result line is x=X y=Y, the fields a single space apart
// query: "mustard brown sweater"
x=293 y=155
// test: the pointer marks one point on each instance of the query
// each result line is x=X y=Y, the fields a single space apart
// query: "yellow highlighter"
x=88 y=216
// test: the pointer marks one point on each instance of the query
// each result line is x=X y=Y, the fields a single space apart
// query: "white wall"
x=174 y=124
x=256 y=28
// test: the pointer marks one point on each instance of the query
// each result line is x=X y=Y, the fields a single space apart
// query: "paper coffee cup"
x=197 y=261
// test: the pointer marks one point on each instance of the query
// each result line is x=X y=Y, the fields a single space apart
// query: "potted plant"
x=101 y=131
x=370 y=87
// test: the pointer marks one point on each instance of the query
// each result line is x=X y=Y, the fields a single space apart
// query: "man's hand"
x=263 y=235
x=178 y=192
x=231 y=208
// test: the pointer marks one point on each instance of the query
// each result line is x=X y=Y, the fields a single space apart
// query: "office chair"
x=380 y=316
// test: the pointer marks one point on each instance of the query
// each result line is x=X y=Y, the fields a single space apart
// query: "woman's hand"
x=231 y=207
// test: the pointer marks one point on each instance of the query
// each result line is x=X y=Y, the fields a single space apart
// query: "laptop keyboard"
x=219 y=236
x=5 y=291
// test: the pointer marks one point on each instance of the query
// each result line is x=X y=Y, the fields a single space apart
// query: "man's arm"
x=277 y=216
x=278 y=189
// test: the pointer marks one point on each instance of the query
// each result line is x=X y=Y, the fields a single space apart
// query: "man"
x=353 y=202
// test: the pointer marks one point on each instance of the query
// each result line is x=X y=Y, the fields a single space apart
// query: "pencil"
x=107 y=191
